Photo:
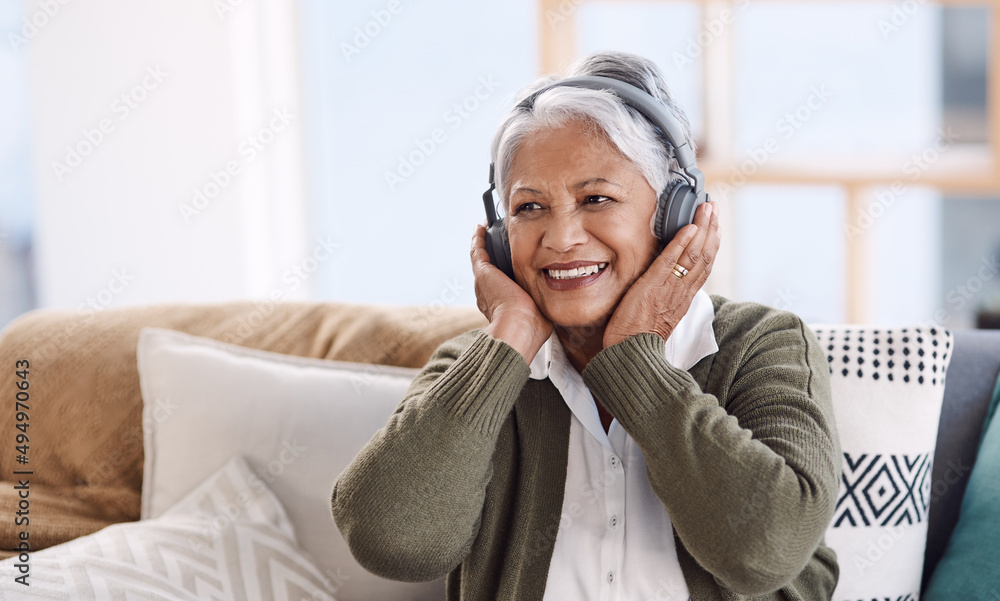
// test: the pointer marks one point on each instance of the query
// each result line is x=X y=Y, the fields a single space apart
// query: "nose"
x=564 y=230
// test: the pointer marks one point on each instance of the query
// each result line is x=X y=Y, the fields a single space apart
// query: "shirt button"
x=611 y=577
x=613 y=461
x=613 y=521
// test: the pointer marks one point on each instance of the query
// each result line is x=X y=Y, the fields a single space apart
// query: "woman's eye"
x=526 y=207
x=595 y=199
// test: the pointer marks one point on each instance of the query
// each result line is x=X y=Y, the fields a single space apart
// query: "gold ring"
x=680 y=271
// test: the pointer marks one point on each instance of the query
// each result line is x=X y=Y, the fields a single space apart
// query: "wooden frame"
x=973 y=170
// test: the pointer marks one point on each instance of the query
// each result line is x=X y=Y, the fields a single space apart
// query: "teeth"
x=578 y=272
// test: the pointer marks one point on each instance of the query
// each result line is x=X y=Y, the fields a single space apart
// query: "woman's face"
x=578 y=222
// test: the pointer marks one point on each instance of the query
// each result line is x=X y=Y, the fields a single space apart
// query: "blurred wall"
x=406 y=97
x=17 y=290
x=166 y=150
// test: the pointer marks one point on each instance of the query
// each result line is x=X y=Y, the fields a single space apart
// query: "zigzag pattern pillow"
x=229 y=539
x=888 y=386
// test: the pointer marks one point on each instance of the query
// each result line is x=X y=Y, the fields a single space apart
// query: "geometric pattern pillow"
x=887 y=387
x=229 y=539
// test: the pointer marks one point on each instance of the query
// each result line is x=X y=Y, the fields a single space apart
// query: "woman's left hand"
x=657 y=301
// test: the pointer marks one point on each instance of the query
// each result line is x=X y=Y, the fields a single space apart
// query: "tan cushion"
x=86 y=409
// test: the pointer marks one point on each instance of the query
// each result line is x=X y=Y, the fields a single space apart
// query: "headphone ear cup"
x=675 y=209
x=498 y=248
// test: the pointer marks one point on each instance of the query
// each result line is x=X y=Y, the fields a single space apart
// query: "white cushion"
x=226 y=540
x=887 y=387
x=298 y=421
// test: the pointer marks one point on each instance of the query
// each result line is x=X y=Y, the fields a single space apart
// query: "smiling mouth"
x=578 y=272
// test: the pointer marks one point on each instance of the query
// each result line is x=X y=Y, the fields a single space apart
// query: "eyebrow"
x=520 y=189
x=577 y=186
x=596 y=180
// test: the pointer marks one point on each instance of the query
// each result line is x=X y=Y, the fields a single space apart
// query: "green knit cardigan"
x=467 y=477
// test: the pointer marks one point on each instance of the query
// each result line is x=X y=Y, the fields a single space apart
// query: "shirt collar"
x=691 y=341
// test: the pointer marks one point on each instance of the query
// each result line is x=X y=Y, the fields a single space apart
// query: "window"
x=853 y=147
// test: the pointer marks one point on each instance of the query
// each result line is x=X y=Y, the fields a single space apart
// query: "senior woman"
x=614 y=432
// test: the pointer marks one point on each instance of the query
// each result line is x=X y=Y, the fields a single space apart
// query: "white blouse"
x=615 y=540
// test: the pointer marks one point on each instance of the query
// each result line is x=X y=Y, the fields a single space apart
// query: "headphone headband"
x=638 y=99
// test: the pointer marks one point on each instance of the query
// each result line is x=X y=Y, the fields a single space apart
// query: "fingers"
x=695 y=247
x=713 y=238
x=478 y=252
x=695 y=254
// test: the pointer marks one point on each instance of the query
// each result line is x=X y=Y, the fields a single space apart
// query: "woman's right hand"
x=513 y=315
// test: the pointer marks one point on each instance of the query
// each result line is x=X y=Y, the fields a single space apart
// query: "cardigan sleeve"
x=410 y=502
x=750 y=480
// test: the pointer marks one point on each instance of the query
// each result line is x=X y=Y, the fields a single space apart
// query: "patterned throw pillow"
x=888 y=387
x=229 y=539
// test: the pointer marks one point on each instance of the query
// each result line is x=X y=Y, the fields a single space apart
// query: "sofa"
x=89 y=427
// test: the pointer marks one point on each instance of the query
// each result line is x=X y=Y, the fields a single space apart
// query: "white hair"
x=624 y=127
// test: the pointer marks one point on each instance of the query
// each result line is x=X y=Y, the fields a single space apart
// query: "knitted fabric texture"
x=467 y=477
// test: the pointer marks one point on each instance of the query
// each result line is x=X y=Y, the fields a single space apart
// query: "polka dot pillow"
x=888 y=386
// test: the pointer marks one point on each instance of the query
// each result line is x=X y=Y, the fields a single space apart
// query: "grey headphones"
x=678 y=202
